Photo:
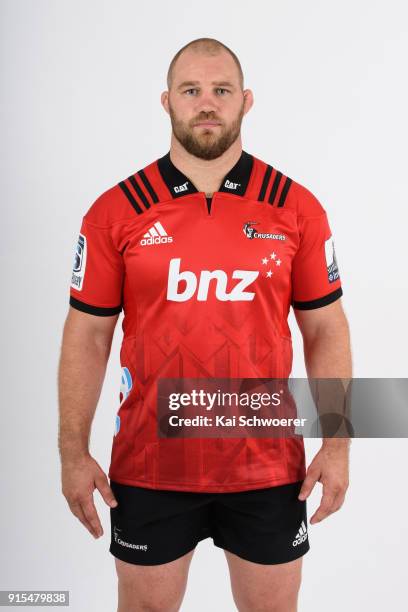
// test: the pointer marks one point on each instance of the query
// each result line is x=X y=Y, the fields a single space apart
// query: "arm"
x=326 y=343
x=85 y=350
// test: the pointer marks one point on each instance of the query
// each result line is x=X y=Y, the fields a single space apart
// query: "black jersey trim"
x=148 y=186
x=322 y=301
x=265 y=182
x=275 y=186
x=130 y=197
x=177 y=182
x=235 y=181
x=284 y=192
x=138 y=190
x=94 y=310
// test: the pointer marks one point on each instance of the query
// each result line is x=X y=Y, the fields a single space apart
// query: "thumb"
x=307 y=486
x=104 y=489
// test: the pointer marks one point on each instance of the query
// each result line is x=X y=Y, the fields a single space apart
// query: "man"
x=205 y=249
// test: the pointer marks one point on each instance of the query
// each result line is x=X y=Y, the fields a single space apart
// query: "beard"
x=206 y=145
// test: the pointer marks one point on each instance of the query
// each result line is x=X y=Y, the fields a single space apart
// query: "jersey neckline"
x=235 y=181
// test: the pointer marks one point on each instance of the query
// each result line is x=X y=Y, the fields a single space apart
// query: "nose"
x=207 y=103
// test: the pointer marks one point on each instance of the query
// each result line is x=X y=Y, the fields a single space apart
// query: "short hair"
x=208 y=46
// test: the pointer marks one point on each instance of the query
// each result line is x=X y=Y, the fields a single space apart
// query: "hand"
x=330 y=466
x=79 y=480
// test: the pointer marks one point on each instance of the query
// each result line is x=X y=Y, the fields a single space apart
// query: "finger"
x=91 y=515
x=102 y=484
x=308 y=485
x=77 y=511
x=325 y=507
x=338 y=502
x=339 y=496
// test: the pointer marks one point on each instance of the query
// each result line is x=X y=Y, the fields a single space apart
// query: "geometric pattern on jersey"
x=206 y=290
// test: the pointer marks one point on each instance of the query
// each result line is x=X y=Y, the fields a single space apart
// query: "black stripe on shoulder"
x=265 y=182
x=284 y=192
x=275 y=187
x=94 y=310
x=323 y=301
x=130 y=197
x=138 y=190
x=148 y=186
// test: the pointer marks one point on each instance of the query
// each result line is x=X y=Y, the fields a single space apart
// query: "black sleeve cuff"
x=322 y=301
x=94 y=310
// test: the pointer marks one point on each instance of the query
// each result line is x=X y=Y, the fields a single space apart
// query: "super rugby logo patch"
x=331 y=262
x=78 y=271
x=251 y=233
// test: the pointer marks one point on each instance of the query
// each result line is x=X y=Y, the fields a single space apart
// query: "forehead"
x=199 y=66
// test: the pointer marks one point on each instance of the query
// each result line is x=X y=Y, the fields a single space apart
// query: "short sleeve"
x=315 y=274
x=97 y=274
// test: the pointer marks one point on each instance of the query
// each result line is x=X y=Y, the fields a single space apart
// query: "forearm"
x=328 y=355
x=81 y=373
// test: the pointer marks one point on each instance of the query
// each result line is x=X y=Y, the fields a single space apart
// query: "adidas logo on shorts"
x=156 y=235
x=301 y=535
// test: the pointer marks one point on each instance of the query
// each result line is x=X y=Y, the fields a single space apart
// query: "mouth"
x=207 y=124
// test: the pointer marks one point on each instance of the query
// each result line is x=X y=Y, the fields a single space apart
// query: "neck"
x=206 y=175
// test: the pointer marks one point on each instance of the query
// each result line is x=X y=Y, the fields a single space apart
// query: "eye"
x=191 y=89
x=222 y=89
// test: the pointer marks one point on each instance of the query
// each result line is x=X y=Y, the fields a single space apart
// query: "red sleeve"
x=97 y=275
x=315 y=274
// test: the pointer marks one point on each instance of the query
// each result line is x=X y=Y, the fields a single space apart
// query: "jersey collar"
x=235 y=181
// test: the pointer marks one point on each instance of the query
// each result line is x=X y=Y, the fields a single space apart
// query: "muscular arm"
x=85 y=350
x=327 y=352
x=326 y=341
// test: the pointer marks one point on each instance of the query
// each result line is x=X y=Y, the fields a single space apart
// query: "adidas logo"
x=156 y=235
x=301 y=535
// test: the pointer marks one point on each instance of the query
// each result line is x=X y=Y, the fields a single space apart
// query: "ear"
x=165 y=101
x=248 y=100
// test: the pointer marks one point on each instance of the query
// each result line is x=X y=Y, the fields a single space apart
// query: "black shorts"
x=151 y=526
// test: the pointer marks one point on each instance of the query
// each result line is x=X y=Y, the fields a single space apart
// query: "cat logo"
x=183 y=187
x=230 y=185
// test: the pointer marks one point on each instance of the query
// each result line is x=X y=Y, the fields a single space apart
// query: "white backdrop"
x=81 y=83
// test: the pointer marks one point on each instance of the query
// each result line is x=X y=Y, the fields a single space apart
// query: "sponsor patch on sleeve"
x=331 y=262
x=79 y=265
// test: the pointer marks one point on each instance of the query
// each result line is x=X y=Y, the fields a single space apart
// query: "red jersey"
x=206 y=287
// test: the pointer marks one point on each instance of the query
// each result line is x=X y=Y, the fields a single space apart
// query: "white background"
x=81 y=82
